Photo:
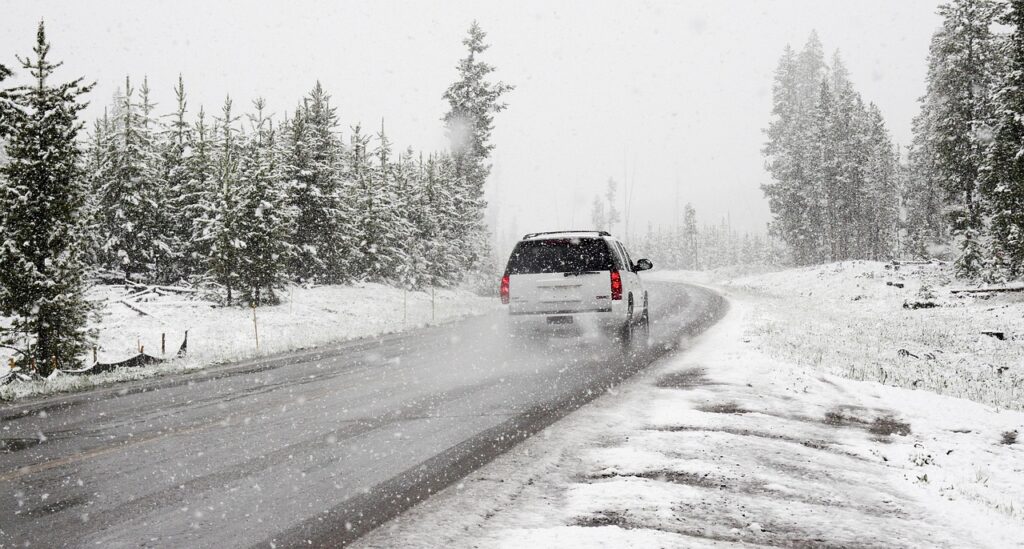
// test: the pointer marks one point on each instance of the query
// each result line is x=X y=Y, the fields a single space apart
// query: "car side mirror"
x=643 y=265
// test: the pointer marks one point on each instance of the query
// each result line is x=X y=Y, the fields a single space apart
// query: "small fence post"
x=94 y=360
x=163 y=344
x=53 y=363
x=255 y=327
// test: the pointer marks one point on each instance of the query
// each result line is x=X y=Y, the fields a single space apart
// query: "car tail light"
x=504 y=290
x=616 y=286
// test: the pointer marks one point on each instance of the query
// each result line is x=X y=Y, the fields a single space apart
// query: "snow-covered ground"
x=308 y=317
x=743 y=440
x=850 y=319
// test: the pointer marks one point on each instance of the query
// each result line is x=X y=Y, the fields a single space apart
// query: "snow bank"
x=308 y=317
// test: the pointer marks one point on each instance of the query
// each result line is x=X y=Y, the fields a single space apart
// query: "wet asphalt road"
x=310 y=448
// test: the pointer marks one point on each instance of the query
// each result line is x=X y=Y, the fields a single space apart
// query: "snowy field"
x=746 y=439
x=308 y=317
x=850 y=319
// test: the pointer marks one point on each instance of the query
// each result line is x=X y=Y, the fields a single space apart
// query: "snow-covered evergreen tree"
x=43 y=275
x=962 y=72
x=181 y=198
x=132 y=196
x=880 y=216
x=383 y=227
x=473 y=101
x=923 y=198
x=312 y=164
x=439 y=230
x=193 y=201
x=1004 y=182
x=792 y=193
x=263 y=222
x=221 y=230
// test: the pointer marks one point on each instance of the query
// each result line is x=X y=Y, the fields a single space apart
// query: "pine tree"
x=443 y=254
x=164 y=247
x=793 y=194
x=613 y=213
x=181 y=198
x=598 y=215
x=473 y=101
x=384 y=228
x=962 y=64
x=43 y=275
x=692 y=256
x=193 y=201
x=1004 y=180
x=263 y=217
x=313 y=168
x=881 y=180
x=132 y=194
x=381 y=229
x=220 y=218
x=923 y=198
x=95 y=158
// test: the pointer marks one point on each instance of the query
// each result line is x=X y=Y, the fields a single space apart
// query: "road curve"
x=309 y=448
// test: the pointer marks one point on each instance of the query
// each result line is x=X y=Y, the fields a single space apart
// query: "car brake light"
x=616 y=286
x=504 y=290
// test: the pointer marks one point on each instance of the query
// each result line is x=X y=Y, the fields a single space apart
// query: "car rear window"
x=562 y=255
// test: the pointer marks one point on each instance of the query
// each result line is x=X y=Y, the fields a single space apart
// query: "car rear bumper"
x=567 y=322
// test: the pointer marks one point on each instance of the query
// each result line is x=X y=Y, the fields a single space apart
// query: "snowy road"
x=318 y=446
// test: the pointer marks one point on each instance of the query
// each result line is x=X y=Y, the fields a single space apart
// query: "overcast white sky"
x=673 y=95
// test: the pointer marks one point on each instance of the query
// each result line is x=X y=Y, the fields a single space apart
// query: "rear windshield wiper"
x=578 y=273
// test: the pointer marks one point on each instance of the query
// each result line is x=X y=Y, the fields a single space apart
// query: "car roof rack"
x=599 y=233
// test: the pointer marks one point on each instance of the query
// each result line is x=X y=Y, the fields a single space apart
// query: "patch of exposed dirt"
x=606 y=518
x=816 y=444
x=685 y=379
x=884 y=424
x=724 y=408
x=675 y=477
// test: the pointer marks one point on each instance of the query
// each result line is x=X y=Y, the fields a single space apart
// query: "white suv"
x=581 y=278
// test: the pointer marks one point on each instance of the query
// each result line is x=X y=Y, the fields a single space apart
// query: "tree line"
x=240 y=201
x=964 y=175
x=834 y=169
x=839 y=191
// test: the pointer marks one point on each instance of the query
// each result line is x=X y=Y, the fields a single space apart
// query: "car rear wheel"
x=626 y=331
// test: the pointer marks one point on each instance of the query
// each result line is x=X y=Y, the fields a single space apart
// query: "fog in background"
x=670 y=96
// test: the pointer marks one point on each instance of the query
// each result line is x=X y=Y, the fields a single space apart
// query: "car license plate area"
x=559 y=320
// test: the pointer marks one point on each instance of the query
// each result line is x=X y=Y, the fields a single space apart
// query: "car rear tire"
x=626 y=334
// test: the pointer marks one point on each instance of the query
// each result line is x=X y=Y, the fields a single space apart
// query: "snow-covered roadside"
x=309 y=317
x=849 y=319
x=722 y=445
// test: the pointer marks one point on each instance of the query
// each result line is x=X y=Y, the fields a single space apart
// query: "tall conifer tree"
x=1004 y=183
x=43 y=275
